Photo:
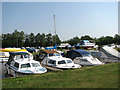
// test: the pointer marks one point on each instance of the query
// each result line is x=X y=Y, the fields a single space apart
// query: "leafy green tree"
x=105 y=40
x=74 y=41
x=49 y=39
x=43 y=40
x=31 y=40
x=56 y=40
x=86 y=37
x=37 y=40
x=117 y=39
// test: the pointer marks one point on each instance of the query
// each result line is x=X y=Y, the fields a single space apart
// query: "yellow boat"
x=13 y=50
x=4 y=53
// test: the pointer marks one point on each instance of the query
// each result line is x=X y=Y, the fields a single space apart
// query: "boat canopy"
x=19 y=53
x=49 y=51
x=77 y=53
x=81 y=51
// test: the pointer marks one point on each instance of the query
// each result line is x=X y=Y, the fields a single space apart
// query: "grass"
x=104 y=76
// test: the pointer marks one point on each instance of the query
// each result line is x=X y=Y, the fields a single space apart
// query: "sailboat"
x=55 y=47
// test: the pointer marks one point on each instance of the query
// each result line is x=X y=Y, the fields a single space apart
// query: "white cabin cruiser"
x=4 y=56
x=83 y=57
x=54 y=59
x=4 y=53
x=85 y=44
x=20 y=63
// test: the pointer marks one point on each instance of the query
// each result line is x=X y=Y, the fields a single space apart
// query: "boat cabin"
x=48 y=53
x=20 y=63
x=83 y=57
x=60 y=62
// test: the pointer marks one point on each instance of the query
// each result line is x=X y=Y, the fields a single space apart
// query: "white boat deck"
x=112 y=51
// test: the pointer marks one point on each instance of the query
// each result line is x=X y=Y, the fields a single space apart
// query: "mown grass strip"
x=103 y=76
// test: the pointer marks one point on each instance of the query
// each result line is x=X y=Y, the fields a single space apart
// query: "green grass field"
x=104 y=76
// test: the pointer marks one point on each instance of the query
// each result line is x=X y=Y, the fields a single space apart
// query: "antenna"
x=55 y=29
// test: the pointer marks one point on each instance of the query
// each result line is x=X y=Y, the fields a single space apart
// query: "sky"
x=72 y=19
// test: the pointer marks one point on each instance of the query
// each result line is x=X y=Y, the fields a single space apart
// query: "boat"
x=54 y=59
x=96 y=53
x=111 y=52
x=83 y=57
x=31 y=50
x=4 y=53
x=64 y=46
x=85 y=44
x=55 y=47
x=4 y=56
x=20 y=63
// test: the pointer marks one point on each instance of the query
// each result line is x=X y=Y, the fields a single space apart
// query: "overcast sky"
x=72 y=18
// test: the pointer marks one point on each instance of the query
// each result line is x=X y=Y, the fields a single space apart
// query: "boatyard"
x=59 y=45
x=104 y=57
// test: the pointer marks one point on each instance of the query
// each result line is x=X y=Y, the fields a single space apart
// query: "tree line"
x=20 y=39
x=99 y=41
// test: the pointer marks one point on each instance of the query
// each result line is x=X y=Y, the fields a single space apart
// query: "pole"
x=55 y=29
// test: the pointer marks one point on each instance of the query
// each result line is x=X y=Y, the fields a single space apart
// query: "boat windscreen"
x=51 y=54
x=69 y=61
x=2 y=54
x=57 y=54
x=35 y=64
x=26 y=56
x=86 y=55
x=62 y=62
x=27 y=65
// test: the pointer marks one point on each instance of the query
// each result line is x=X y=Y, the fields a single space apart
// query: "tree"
x=7 y=40
x=74 y=41
x=105 y=40
x=86 y=37
x=31 y=40
x=49 y=39
x=43 y=40
x=18 y=38
x=37 y=40
x=56 y=40
x=117 y=39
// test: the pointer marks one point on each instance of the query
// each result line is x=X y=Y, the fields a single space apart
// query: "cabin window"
x=83 y=60
x=2 y=54
x=18 y=57
x=69 y=61
x=25 y=65
x=52 y=62
x=35 y=64
x=58 y=54
x=51 y=54
x=62 y=62
x=26 y=56
x=96 y=54
x=43 y=55
x=86 y=55
x=16 y=65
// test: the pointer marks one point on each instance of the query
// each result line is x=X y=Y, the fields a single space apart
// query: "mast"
x=55 y=29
